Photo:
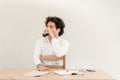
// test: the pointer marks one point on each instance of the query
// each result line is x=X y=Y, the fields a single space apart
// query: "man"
x=50 y=49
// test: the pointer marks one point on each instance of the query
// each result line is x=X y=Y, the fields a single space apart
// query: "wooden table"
x=15 y=74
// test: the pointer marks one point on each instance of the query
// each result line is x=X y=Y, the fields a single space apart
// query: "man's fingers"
x=43 y=69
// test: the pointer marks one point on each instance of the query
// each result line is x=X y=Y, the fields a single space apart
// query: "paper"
x=61 y=72
x=35 y=73
x=65 y=72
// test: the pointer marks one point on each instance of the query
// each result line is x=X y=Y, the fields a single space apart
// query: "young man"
x=50 y=49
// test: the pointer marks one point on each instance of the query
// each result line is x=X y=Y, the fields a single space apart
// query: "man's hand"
x=40 y=67
x=52 y=33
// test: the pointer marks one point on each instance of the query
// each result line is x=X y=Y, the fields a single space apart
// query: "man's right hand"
x=51 y=33
x=40 y=67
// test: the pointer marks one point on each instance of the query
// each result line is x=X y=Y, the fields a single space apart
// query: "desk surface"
x=11 y=74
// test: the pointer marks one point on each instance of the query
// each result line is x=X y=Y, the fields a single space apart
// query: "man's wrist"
x=39 y=65
x=53 y=37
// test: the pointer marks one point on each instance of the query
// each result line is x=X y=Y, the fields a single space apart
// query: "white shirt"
x=58 y=47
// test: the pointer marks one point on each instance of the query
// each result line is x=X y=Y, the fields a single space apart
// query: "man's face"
x=53 y=28
x=51 y=25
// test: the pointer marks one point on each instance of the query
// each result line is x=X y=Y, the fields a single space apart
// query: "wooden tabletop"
x=15 y=74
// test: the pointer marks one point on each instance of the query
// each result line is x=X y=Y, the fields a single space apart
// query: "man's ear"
x=58 y=30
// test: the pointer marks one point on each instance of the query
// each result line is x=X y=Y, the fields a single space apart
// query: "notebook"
x=64 y=72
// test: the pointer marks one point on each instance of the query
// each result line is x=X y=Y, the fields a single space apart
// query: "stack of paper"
x=35 y=73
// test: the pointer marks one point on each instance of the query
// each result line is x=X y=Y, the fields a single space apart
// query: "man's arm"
x=50 y=57
x=37 y=52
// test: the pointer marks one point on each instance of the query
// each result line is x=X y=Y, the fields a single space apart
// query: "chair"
x=58 y=66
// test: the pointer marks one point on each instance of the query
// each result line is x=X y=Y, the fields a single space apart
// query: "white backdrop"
x=92 y=28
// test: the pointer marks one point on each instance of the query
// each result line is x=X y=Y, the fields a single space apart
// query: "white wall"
x=92 y=28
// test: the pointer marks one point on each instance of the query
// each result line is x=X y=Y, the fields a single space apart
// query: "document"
x=61 y=72
x=68 y=72
x=35 y=73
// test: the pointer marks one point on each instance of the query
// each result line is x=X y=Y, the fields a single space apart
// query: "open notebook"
x=35 y=73
x=70 y=72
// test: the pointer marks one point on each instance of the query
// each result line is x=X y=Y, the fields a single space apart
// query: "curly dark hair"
x=58 y=22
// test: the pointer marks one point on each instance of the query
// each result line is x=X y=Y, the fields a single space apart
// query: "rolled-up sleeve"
x=37 y=52
x=60 y=49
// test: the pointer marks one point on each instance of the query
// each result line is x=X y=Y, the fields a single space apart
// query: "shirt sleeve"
x=60 y=50
x=37 y=53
